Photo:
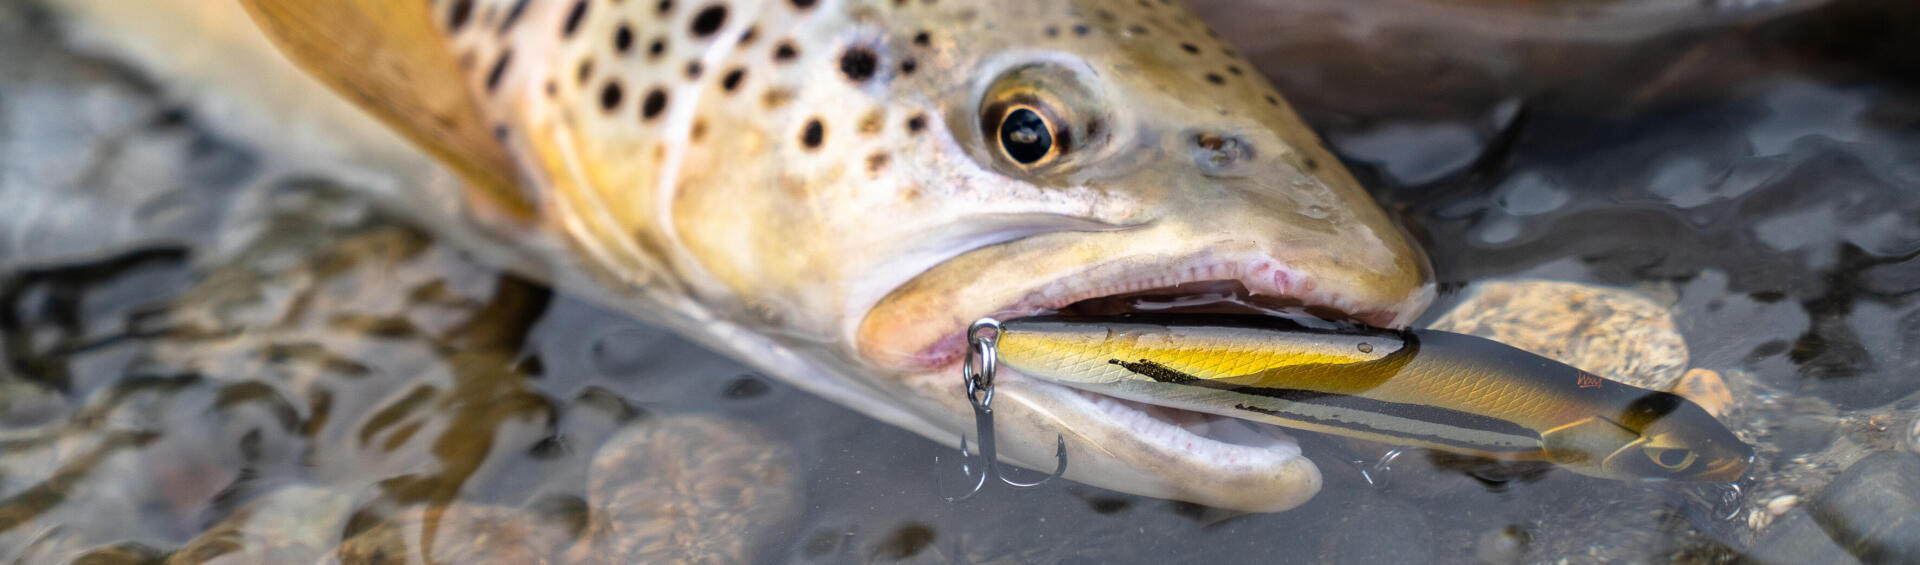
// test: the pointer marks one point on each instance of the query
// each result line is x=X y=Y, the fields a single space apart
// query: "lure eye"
x=1671 y=459
x=1026 y=137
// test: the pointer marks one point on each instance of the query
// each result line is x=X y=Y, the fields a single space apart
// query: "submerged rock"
x=291 y=525
x=1611 y=332
x=1873 y=509
x=687 y=489
x=460 y=533
x=1869 y=514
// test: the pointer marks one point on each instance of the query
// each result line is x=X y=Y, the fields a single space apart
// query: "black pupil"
x=1673 y=457
x=1025 y=136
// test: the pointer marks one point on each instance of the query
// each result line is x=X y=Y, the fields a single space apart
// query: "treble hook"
x=977 y=371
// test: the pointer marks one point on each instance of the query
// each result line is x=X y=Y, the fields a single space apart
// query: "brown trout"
x=832 y=190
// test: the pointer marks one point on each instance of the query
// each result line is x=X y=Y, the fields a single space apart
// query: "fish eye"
x=1037 y=121
x=1026 y=136
x=1671 y=459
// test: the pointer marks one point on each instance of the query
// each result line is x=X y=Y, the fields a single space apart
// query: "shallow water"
x=170 y=368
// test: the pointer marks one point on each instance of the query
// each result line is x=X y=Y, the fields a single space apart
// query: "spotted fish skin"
x=827 y=189
x=661 y=127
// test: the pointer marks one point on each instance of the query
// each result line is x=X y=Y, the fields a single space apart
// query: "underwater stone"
x=1613 y=332
x=1797 y=539
x=1873 y=509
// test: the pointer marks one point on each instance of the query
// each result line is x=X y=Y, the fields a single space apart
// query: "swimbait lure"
x=1440 y=390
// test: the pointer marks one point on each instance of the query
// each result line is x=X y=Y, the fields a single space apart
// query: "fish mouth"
x=1189 y=455
x=1258 y=287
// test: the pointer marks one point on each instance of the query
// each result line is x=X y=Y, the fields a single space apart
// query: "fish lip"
x=1262 y=276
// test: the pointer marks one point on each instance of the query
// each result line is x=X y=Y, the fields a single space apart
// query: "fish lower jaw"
x=1219 y=440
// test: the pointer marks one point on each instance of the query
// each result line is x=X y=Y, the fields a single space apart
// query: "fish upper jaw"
x=922 y=325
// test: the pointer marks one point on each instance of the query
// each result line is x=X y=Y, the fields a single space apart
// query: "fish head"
x=1677 y=440
x=1658 y=436
x=1105 y=149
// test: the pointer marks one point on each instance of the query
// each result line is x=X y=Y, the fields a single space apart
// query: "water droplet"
x=1366 y=347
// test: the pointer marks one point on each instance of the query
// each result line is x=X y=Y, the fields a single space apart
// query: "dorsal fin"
x=387 y=57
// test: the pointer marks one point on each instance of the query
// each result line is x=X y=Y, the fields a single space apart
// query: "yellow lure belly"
x=1439 y=390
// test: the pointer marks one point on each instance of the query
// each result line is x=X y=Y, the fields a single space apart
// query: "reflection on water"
x=183 y=391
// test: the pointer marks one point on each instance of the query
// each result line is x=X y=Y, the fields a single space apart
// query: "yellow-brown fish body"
x=833 y=189
x=1446 y=391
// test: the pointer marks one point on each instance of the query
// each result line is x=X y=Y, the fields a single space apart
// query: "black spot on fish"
x=574 y=15
x=813 y=135
x=1216 y=79
x=610 y=96
x=747 y=37
x=694 y=69
x=1274 y=100
x=499 y=70
x=922 y=39
x=1190 y=48
x=1081 y=30
x=584 y=72
x=622 y=39
x=513 y=15
x=732 y=80
x=1233 y=69
x=858 y=63
x=655 y=49
x=458 y=15
x=708 y=20
x=908 y=66
x=803 y=4
x=916 y=123
x=785 y=51
x=655 y=103
x=664 y=6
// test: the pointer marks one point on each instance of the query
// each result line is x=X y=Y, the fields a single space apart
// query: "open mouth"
x=1260 y=287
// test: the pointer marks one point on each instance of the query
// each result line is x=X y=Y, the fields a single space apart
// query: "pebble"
x=1706 y=388
x=1780 y=506
x=684 y=489
x=1612 y=332
x=1503 y=546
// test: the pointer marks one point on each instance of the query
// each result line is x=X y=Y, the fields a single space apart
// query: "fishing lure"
x=976 y=373
x=1426 y=388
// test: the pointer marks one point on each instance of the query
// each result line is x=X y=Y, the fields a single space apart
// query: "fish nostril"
x=1218 y=154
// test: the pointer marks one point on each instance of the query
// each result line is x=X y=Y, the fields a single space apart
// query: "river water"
x=333 y=368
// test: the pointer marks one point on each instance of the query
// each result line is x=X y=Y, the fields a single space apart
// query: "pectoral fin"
x=387 y=57
x=1587 y=442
